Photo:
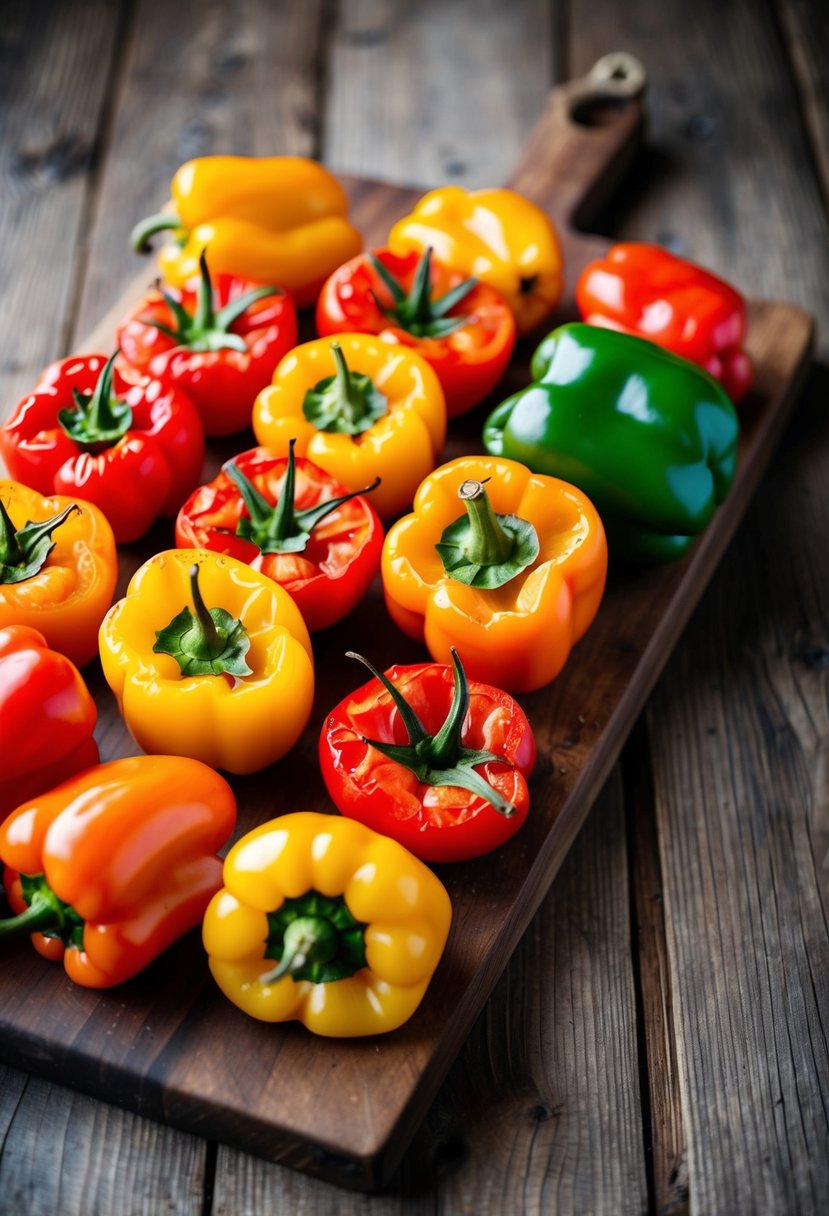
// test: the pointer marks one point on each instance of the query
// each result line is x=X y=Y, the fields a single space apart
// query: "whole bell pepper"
x=58 y=568
x=498 y=236
x=323 y=921
x=130 y=444
x=436 y=763
x=218 y=341
x=646 y=291
x=359 y=409
x=209 y=659
x=277 y=219
x=47 y=717
x=463 y=329
x=293 y=522
x=649 y=436
x=503 y=565
x=110 y=868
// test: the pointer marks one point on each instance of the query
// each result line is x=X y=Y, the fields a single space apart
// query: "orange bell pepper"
x=358 y=408
x=58 y=578
x=108 y=869
x=497 y=236
x=511 y=583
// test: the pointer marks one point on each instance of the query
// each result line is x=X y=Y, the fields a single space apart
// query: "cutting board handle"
x=585 y=140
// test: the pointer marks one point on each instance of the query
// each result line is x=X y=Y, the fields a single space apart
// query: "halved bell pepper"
x=324 y=921
x=47 y=717
x=359 y=409
x=649 y=436
x=58 y=568
x=276 y=219
x=293 y=522
x=110 y=868
x=210 y=659
x=497 y=236
x=645 y=290
x=506 y=566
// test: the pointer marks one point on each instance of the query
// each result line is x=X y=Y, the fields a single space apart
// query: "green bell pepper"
x=648 y=436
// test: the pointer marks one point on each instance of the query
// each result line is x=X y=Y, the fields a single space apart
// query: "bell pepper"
x=463 y=329
x=436 y=763
x=506 y=566
x=359 y=409
x=58 y=568
x=649 y=436
x=498 y=236
x=230 y=684
x=111 y=867
x=324 y=921
x=293 y=522
x=217 y=341
x=277 y=219
x=646 y=291
x=130 y=444
x=46 y=717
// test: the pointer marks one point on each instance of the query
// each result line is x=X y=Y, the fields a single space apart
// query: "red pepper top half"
x=644 y=290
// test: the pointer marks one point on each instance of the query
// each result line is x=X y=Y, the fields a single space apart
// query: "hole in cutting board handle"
x=601 y=95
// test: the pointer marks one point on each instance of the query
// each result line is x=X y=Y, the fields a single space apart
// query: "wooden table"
x=659 y=1041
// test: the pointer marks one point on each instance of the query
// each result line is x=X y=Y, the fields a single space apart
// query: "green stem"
x=487 y=543
x=445 y=747
x=213 y=642
x=351 y=400
x=307 y=940
x=415 y=729
x=418 y=313
x=42 y=913
x=23 y=551
x=144 y=229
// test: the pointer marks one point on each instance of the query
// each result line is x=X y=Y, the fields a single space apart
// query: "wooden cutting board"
x=168 y=1044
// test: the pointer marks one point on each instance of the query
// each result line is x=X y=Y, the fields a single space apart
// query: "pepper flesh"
x=649 y=436
x=237 y=723
x=277 y=219
x=68 y=597
x=400 y=445
x=47 y=717
x=403 y=906
x=646 y=291
x=498 y=236
x=518 y=635
x=130 y=847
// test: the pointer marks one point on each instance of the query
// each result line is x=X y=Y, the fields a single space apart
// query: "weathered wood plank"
x=200 y=77
x=541 y=1111
x=806 y=32
x=735 y=725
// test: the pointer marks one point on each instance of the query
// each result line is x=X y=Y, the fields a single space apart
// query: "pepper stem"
x=42 y=913
x=209 y=642
x=144 y=229
x=308 y=939
x=23 y=551
x=213 y=641
x=487 y=543
x=418 y=313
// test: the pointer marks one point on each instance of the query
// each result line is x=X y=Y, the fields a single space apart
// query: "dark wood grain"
x=205 y=1067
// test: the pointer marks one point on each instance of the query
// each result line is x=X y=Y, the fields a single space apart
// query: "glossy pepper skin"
x=353 y=921
x=47 y=717
x=238 y=709
x=516 y=635
x=118 y=861
x=396 y=760
x=326 y=566
x=399 y=408
x=276 y=219
x=67 y=597
x=131 y=444
x=217 y=339
x=498 y=236
x=463 y=329
x=646 y=291
x=649 y=436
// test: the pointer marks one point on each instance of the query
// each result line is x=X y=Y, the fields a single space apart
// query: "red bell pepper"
x=646 y=291
x=131 y=445
x=47 y=717
x=464 y=329
x=432 y=761
x=218 y=340
x=293 y=522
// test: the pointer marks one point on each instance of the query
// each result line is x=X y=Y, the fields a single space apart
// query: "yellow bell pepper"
x=358 y=408
x=496 y=236
x=278 y=219
x=324 y=921
x=59 y=579
x=506 y=566
x=230 y=684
